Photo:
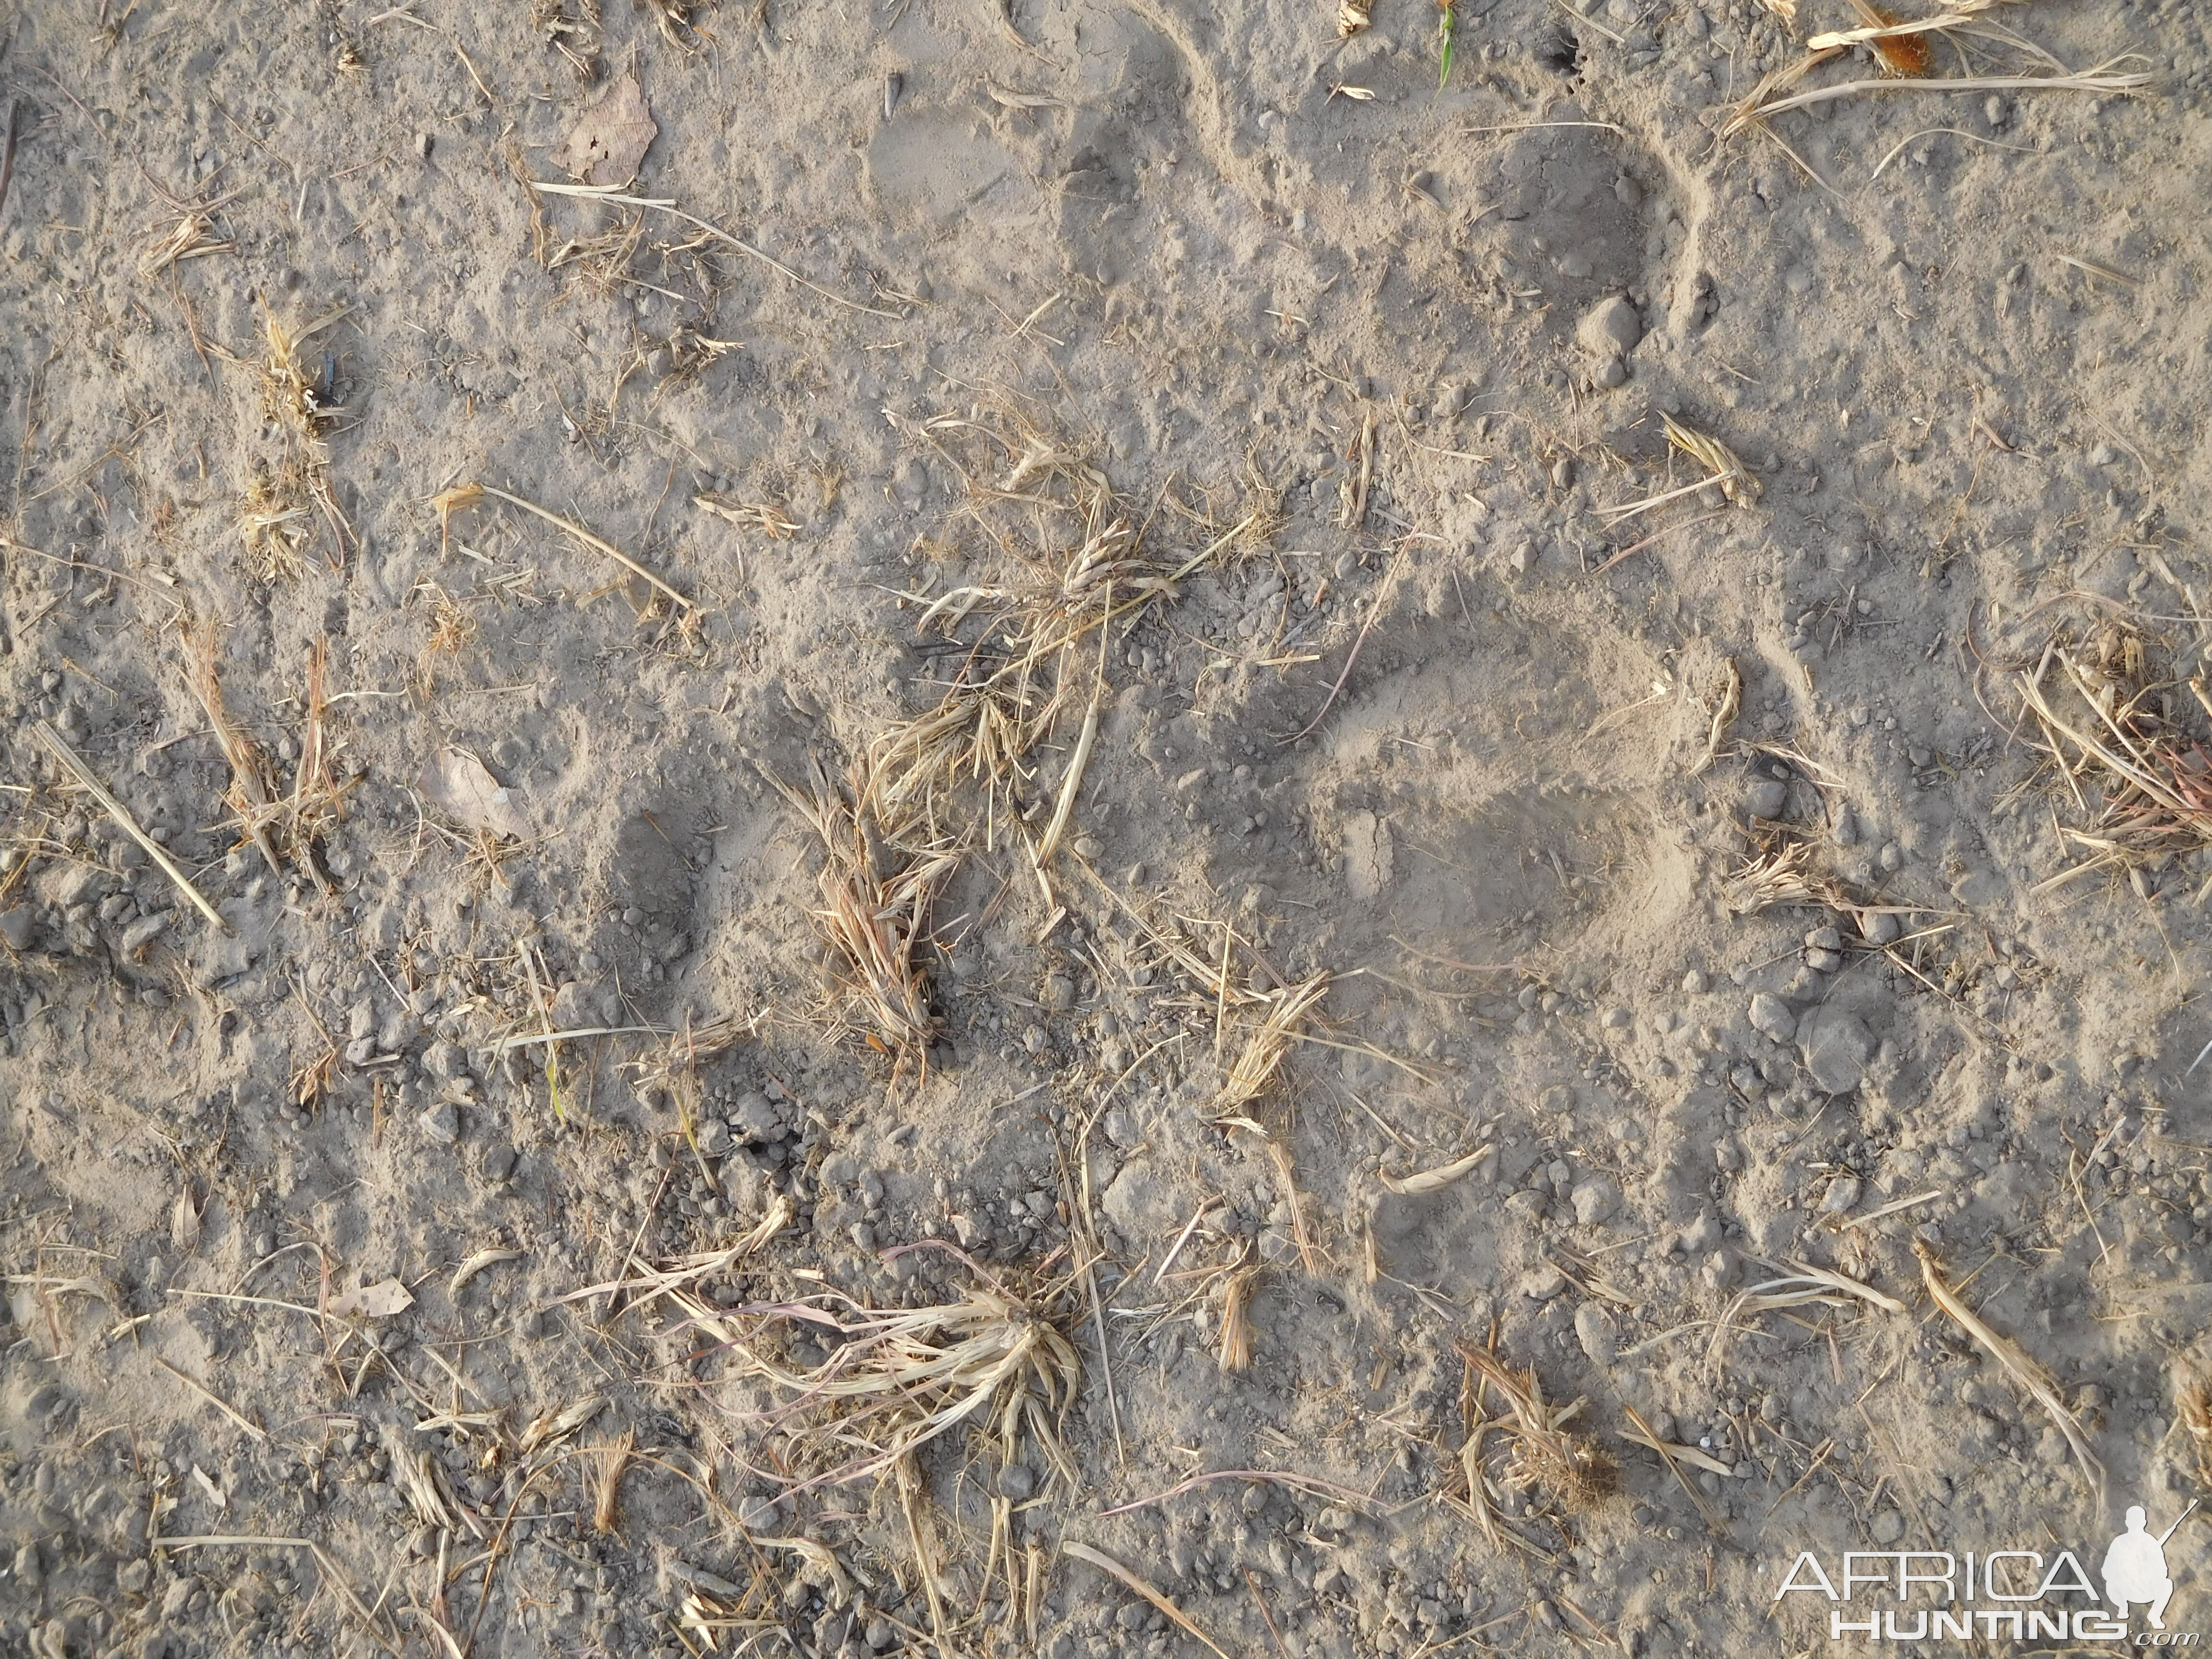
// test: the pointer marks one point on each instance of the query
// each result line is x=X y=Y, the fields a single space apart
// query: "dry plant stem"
x=2016 y=1364
x=1436 y=1180
x=116 y=810
x=1069 y=784
x=602 y=193
x=1948 y=20
x=2100 y=79
x=244 y=773
x=1666 y=1456
x=1106 y=1564
x=591 y=541
x=1730 y=705
x=252 y=1428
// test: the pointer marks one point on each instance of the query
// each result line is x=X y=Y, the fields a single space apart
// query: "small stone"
x=142 y=933
x=754 y=1119
x=1891 y=858
x=1878 y=927
x=714 y=1138
x=1888 y=1527
x=1594 y=1330
x=1842 y=1194
x=1017 y=1482
x=1542 y=1282
x=1523 y=559
x=1771 y=1015
x=1611 y=373
x=1609 y=328
x=441 y=1122
x=1766 y=797
x=1617 y=1019
x=1563 y=472
x=132 y=1576
x=1824 y=961
x=1593 y=1202
x=1836 y=1046
x=17 y=927
x=1695 y=982
x=1825 y=938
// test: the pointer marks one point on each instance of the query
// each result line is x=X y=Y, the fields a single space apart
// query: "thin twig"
x=592 y=541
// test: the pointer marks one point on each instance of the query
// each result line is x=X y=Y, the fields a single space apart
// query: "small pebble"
x=1879 y=927
x=1770 y=1014
x=1766 y=797
x=1694 y=982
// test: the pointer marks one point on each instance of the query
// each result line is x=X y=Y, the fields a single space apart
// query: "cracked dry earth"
x=1392 y=950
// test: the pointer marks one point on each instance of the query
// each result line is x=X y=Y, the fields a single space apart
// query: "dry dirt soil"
x=1325 y=888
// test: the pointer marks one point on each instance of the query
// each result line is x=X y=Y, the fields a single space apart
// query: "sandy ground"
x=1674 y=890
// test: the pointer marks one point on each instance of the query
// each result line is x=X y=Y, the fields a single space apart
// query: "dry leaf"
x=611 y=138
x=1430 y=1181
x=208 y=1483
x=475 y=1265
x=459 y=783
x=184 y=1222
x=378 y=1301
x=1351 y=16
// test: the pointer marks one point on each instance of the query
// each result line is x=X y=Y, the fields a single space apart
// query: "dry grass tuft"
x=1724 y=473
x=1805 y=1282
x=884 y=862
x=765 y=517
x=2142 y=782
x=1267 y=1043
x=187 y=238
x=896 y=1379
x=1071 y=564
x=604 y=1464
x=1778 y=873
x=274 y=522
x=293 y=400
x=1545 y=1452
x=1234 y=1351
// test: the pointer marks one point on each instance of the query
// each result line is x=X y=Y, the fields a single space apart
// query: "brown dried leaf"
x=610 y=138
x=459 y=783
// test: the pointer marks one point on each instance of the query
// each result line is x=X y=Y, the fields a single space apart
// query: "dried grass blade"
x=597 y=544
x=115 y=809
x=1106 y=1564
x=2016 y=1364
x=1430 y=1181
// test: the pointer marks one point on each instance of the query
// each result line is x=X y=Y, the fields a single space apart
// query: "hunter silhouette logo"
x=2134 y=1568
x=1914 y=1596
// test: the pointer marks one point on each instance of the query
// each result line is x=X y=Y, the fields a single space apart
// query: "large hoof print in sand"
x=1566 y=209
